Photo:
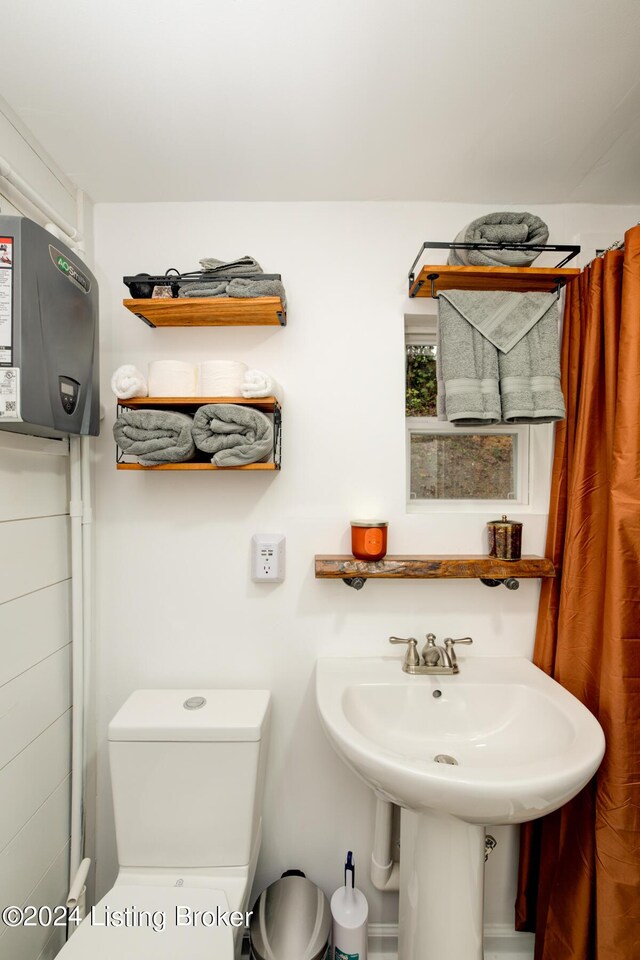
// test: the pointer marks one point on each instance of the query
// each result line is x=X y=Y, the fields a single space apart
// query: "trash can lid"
x=291 y=921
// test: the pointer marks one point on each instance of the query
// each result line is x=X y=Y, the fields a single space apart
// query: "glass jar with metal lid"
x=369 y=539
x=505 y=539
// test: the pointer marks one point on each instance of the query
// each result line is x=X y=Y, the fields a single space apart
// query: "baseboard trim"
x=501 y=942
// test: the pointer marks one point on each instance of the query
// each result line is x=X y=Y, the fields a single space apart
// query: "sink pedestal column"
x=441 y=888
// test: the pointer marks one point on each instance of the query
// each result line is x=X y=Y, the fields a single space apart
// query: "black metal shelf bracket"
x=570 y=250
x=511 y=583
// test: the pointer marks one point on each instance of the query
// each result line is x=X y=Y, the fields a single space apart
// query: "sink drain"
x=445 y=758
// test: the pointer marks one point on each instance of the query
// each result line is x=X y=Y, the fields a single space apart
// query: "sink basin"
x=501 y=742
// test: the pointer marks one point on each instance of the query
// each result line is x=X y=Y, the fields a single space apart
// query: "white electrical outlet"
x=267 y=557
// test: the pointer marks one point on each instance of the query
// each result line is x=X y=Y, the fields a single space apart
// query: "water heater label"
x=10 y=394
x=70 y=270
x=6 y=301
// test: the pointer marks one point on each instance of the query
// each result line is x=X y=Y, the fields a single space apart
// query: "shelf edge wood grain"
x=517 y=279
x=136 y=403
x=194 y=466
x=424 y=567
x=209 y=311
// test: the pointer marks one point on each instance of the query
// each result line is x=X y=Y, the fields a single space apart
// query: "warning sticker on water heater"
x=6 y=301
x=10 y=394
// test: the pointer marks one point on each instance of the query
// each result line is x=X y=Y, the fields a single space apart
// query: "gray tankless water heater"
x=48 y=335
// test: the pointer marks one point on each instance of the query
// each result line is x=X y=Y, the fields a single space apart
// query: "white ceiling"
x=457 y=100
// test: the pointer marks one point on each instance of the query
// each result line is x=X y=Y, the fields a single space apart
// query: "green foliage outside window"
x=421 y=386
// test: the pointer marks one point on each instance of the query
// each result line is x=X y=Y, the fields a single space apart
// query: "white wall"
x=176 y=605
x=35 y=691
x=35 y=695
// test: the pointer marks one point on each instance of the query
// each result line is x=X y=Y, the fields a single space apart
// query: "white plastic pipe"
x=71 y=234
x=77 y=684
x=385 y=871
x=77 y=894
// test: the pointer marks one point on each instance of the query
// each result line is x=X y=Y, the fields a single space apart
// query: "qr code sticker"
x=10 y=406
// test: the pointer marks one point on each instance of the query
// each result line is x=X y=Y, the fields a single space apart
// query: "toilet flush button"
x=194 y=703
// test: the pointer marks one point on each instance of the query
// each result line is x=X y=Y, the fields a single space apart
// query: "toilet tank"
x=187 y=772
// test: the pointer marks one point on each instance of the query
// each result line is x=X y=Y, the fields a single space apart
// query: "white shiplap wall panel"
x=30 y=854
x=35 y=553
x=32 y=485
x=32 y=628
x=32 y=776
x=42 y=942
x=32 y=702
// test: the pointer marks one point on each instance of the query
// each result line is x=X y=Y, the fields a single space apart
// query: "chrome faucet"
x=435 y=660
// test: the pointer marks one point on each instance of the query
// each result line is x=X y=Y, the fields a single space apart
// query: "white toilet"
x=187 y=769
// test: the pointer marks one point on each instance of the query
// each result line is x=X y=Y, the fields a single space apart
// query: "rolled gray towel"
x=233 y=433
x=242 y=267
x=257 y=288
x=502 y=227
x=155 y=436
x=203 y=288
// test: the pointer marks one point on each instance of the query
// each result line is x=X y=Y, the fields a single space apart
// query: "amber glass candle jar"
x=369 y=539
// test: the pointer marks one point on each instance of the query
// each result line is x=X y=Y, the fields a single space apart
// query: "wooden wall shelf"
x=190 y=405
x=267 y=404
x=209 y=311
x=434 y=567
x=192 y=465
x=433 y=278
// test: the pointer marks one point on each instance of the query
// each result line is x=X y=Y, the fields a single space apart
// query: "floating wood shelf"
x=267 y=404
x=192 y=465
x=190 y=405
x=435 y=567
x=433 y=278
x=209 y=311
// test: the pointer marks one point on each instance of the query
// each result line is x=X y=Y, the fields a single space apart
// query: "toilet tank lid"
x=192 y=715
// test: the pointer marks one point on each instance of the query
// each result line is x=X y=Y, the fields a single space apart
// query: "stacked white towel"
x=173 y=378
x=128 y=382
x=257 y=383
x=222 y=378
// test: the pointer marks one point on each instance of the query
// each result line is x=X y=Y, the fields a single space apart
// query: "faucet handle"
x=412 y=658
x=449 y=644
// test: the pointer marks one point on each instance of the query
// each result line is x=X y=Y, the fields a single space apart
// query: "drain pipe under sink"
x=385 y=871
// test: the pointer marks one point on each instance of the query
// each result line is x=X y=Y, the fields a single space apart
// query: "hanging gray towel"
x=233 y=433
x=155 y=436
x=467 y=372
x=530 y=388
x=528 y=366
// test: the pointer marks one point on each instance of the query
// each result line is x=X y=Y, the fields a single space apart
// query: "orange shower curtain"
x=579 y=882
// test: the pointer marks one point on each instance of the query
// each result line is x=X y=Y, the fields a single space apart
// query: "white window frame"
x=534 y=448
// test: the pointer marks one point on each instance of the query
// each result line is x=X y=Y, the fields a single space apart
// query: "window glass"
x=463 y=466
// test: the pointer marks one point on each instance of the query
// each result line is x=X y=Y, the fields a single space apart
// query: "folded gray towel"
x=530 y=375
x=155 y=436
x=257 y=288
x=233 y=433
x=466 y=371
x=204 y=288
x=242 y=267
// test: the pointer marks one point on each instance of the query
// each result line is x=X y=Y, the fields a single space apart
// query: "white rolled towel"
x=173 y=378
x=128 y=382
x=222 y=378
x=257 y=383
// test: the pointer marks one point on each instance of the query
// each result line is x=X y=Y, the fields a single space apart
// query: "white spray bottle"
x=349 y=912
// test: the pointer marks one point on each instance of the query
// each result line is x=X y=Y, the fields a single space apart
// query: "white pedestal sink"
x=501 y=742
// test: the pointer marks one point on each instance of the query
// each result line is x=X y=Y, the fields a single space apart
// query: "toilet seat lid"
x=127 y=923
